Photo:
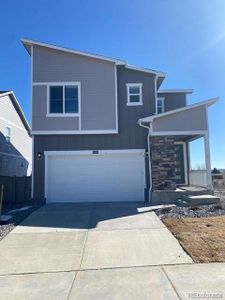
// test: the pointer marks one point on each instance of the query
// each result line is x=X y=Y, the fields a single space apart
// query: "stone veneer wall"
x=163 y=163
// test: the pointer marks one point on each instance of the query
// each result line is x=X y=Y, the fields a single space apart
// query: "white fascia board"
x=149 y=71
x=66 y=132
x=176 y=91
x=27 y=43
x=202 y=103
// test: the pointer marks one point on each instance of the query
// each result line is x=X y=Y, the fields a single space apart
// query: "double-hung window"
x=134 y=94
x=160 y=106
x=64 y=99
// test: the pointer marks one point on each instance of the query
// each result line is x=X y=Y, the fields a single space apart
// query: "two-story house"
x=15 y=139
x=104 y=131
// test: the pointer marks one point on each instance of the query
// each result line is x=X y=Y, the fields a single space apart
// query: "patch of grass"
x=202 y=238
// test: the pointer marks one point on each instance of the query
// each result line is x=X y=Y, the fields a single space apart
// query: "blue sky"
x=186 y=39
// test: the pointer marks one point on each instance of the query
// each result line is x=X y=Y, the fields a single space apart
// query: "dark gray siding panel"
x=130 y=136
x=173 y=100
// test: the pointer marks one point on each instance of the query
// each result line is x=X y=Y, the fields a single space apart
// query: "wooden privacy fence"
x=16 y=189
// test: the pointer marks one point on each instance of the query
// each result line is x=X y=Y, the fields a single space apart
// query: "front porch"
x=170 y=134
x=171 y=174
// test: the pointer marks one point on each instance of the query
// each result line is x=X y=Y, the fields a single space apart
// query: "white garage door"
x=95 y=177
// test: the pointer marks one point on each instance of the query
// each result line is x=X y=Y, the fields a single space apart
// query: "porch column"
x=207 y=162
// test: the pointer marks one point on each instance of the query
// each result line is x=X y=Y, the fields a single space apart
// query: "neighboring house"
x=15 y=140
x=103 y=131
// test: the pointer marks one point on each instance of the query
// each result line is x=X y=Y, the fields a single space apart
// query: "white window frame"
x=157 y=106
x=139 y=85
x=63 y=84
x=8 y=136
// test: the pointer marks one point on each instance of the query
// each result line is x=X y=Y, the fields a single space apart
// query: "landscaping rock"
x=194 y=211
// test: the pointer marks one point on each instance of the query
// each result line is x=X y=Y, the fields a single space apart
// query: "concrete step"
x=200 y=199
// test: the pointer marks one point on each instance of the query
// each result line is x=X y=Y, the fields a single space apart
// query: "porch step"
x=200 y=199
x=172 y=197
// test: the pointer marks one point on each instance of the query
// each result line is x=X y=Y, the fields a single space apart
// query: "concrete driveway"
x=93 y=251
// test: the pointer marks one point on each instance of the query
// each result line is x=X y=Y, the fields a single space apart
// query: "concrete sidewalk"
x=99 y=251
x=194 y=281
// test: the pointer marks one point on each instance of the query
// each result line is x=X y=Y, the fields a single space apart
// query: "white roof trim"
x=158 y=73
x=17 y=103
x=202 y=103
x=27 y=43
x=32 y=42
x=184 y=91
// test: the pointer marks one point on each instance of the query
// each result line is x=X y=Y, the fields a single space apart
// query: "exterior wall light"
x=39 y=155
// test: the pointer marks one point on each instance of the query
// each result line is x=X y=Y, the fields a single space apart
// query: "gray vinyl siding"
x=15 y=156
x=188 y=120
x=98 y=92
x=130 y=136
x=173 y=100
x=41 y=122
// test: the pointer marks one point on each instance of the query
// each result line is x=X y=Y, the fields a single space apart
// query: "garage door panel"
x=95 y=178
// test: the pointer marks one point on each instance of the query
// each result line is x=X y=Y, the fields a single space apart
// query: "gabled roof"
x=202 y=103
x=17 y=107
x=28 y=43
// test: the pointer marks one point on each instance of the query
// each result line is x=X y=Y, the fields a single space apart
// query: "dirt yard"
x=202 y=238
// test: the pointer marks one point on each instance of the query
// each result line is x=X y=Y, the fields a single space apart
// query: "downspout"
x=149 y=158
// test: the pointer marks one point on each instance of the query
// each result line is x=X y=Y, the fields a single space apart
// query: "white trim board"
x=28 y=43
x=90 y=152
x=139 y=85
x=63 y=84
x=182 y=91
x=55 y=132
x=79 y=114
x=13 y=124
x=145 y=70
x=164 y=133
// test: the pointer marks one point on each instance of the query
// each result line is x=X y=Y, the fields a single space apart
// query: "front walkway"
x=101 y=251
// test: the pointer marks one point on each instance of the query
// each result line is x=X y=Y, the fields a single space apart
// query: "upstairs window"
x=160 y=106
x=134 y=94
x=7 y=134
x=64 y=99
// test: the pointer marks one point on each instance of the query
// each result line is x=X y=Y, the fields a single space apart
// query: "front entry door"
x=179 y=168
